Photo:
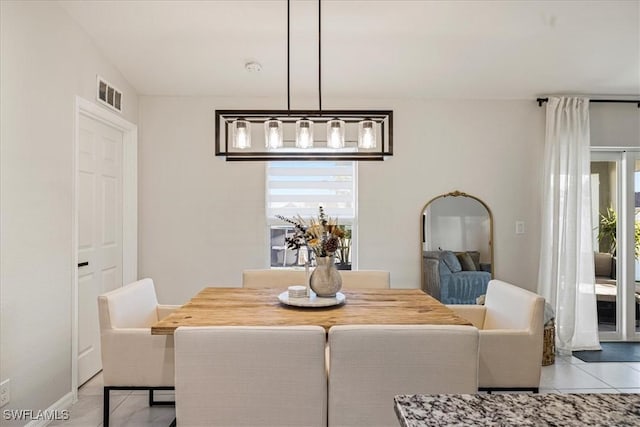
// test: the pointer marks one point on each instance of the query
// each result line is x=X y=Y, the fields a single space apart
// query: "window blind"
x=298 y=188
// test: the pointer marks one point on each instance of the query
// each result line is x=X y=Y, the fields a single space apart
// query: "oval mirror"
x=457 y=249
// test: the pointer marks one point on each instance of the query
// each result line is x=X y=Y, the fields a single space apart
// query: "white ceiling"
x=371 y=49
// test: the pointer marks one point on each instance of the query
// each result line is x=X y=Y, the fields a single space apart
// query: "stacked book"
x=297 y=291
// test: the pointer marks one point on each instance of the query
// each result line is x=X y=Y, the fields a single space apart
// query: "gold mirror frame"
x=455 y=193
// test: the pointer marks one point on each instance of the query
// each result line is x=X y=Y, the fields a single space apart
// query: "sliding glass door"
x=635 y=240
x=615 y=185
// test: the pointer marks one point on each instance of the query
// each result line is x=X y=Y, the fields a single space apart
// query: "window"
x=298 y=188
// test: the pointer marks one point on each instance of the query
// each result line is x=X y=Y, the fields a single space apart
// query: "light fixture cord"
x=319 y=58
x=288 y=61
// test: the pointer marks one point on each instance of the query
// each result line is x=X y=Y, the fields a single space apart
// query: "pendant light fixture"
x=241 y=134
x=335 y=133
x=367 y=134
x=273 y=134
x=304 y=133
x=349 y=134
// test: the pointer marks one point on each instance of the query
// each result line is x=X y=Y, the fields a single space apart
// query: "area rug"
x=612 y=352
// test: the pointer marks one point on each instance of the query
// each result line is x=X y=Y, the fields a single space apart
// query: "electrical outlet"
x=5 y=392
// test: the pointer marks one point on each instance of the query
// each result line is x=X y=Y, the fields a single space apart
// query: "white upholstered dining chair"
x=132 y=358
x=370 y=364
x=250 y=376
x=276 y=278
x=365 y=279
x=511 y=337
x=280 y=278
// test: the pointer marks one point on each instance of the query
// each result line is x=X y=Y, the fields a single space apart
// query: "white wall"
x=46 y=61
x=614 y=125
x=490 y=149
x=202 y=219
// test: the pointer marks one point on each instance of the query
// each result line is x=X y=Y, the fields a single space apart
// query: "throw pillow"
x=475 y=256
x=450 y=259
x=466 y=262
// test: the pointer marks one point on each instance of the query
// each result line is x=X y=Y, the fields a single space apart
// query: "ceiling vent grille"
x=109 y=95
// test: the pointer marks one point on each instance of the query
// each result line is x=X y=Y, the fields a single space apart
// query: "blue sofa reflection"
x=455 y=278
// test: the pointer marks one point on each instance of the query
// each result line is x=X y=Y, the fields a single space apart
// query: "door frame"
x=129 y=210
x=625 y=308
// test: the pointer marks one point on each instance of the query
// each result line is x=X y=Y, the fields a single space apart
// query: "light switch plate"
x=519 y=227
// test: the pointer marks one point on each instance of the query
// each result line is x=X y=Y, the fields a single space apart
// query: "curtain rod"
x=541 y=101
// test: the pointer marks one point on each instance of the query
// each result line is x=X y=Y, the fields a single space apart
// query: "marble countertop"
x=518 y=410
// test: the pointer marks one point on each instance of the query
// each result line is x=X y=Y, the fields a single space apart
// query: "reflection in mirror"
x=457 y=251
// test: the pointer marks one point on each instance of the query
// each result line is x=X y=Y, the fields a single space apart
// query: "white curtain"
x=566 y=276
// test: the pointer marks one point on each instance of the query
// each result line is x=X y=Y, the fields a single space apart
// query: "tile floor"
x=572 y=375
x=130 y=408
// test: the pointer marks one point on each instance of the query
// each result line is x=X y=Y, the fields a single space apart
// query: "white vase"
x=325 y=280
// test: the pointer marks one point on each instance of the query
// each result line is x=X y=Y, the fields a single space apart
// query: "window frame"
x=272 y=221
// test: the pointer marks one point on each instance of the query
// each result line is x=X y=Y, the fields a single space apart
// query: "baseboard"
x=63 y=404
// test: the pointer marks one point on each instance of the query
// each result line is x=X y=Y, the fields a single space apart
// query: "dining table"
x=227 y=306
x=519 y=409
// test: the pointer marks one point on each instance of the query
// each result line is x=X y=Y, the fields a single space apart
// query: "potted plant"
x=344 y=249
x=607 y=232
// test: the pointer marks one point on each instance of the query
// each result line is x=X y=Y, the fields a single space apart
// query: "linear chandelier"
x=304 y=134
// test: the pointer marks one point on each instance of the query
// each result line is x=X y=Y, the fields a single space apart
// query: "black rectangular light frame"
x=223 y=118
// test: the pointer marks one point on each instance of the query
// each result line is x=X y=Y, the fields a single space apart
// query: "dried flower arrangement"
x=322 y=235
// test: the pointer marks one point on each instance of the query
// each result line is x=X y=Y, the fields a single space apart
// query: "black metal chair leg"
x=105 y=407
x=153 y=402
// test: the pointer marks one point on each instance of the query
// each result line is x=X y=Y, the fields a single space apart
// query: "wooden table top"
x=260 y=307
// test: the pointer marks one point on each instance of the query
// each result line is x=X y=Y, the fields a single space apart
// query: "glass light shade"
x=367 y=134
x=303 y=255
x=304 y=133
x=335 y=133
x=241 y=134
x=273 y=134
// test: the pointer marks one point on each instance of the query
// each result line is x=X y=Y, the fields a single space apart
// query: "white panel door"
x=99 y=233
